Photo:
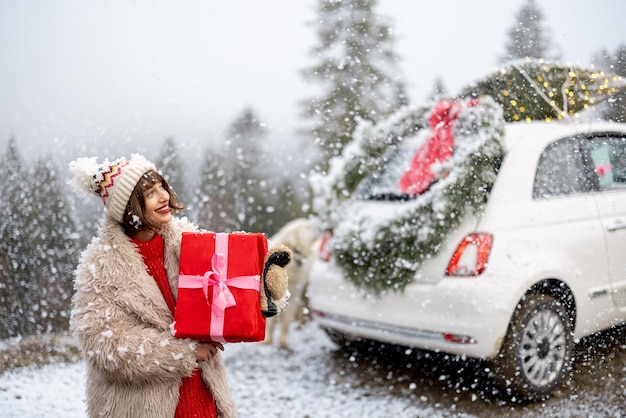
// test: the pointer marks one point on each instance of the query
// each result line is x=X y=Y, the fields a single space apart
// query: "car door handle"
x=616 y=227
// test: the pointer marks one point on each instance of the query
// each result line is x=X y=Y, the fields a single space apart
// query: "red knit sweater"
x=196 y=399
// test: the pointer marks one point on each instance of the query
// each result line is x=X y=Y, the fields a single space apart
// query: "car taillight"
x=324 y=252
x=470 y=257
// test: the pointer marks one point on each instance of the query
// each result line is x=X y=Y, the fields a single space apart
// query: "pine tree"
x=237 y=189
x=38 y=248
x=282 y=203
x=439 y=90
x=243 y=142
x=53 y=246
x=210 y=204
x=225 y=195
x=16 y=269
x=528 y=38
x=614 y=63
x=243 y=158
x=357 y=71
x=170 y=165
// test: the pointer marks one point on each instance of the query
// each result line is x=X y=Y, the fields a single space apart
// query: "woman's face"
x=157 y=204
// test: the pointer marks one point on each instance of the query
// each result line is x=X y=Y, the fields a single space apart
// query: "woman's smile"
x=164 y=209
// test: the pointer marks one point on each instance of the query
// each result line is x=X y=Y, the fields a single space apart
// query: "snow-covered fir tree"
x=209 y=205
x=38 y=247
x=53 y=247
x=232 y=191
x=283 y=201
x=529 y=37
x=246 y=184
x=244 y=157
x=356 y=69
x=170 y=165
x=15 y=267
x=438 y=91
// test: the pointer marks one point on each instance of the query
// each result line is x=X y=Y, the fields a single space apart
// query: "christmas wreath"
x=449 y=176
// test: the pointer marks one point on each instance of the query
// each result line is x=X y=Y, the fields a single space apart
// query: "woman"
x=126 y=286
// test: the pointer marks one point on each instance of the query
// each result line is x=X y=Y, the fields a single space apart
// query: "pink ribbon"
x=217 y=277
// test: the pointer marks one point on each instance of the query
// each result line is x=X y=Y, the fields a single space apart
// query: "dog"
x=300 y=236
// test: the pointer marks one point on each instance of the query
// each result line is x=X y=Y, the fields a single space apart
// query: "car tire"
x=537 y=350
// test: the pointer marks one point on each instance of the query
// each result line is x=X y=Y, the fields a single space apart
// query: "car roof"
x=538 y=134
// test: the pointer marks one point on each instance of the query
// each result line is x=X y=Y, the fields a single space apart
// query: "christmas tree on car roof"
x=533 y=89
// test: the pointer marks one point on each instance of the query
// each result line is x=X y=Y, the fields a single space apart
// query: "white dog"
x=299 y=236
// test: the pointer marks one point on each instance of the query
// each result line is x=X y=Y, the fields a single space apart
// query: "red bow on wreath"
x=437 y=149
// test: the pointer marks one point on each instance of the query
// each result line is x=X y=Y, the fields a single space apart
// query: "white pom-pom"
x=83 y=171
x=141 y=161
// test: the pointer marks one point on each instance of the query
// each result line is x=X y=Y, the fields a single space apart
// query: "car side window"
x=608 y=153
x=560 y=170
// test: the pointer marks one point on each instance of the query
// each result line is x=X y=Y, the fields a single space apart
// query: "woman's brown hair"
x=134 y=217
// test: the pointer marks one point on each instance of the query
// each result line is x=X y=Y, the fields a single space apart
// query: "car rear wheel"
x=537 y=350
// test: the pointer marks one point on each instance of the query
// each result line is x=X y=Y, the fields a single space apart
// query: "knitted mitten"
x=274 y=292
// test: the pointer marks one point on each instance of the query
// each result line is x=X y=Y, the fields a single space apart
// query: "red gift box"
x=218 y=287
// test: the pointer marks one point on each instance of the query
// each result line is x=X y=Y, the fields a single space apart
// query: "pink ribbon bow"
x=222 y=296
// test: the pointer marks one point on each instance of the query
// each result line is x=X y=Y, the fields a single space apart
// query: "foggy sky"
x=89 y=75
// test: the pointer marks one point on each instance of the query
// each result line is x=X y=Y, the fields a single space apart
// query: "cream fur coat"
x=135 y=365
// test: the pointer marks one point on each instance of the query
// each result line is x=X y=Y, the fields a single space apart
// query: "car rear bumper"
x=463 y=316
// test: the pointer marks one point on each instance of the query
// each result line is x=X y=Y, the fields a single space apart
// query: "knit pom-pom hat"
x=112 y=181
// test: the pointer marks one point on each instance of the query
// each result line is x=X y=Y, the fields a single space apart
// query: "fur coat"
x=134 y=364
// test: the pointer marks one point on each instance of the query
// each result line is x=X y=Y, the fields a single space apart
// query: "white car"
x=544 y=264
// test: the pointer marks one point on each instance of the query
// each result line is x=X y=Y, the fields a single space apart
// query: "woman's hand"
x=206 y=350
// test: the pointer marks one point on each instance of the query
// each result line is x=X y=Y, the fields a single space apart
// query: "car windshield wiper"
x=389 y=196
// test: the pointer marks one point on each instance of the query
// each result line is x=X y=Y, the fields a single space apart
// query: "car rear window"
x=384 y=183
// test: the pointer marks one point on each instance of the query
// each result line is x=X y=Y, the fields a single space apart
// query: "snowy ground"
x=314 y=379
x=265 y=381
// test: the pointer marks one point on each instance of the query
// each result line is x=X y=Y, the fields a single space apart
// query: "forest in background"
x=246 y=183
